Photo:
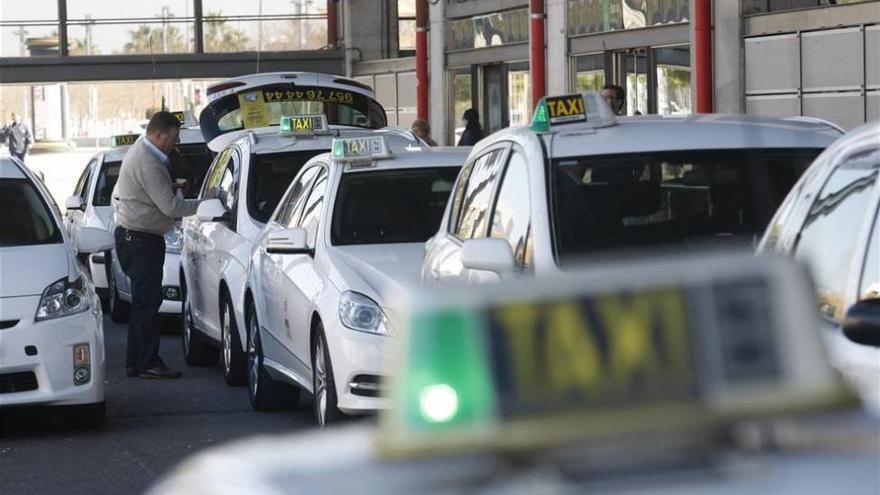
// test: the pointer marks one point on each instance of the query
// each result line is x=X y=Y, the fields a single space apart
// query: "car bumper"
x=36 y=358
x=360 y=367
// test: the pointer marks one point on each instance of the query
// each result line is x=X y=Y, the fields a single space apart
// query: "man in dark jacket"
x=18 y=137
x=473 y=131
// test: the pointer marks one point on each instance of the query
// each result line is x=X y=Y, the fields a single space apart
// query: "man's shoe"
x=160 y=372
x=130 y=372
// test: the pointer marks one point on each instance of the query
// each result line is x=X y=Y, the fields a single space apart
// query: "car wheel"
x=265 y=393
x=323 y=383
x=197 y=351
x=119 y=309
x=234 y=359
x=88 y=416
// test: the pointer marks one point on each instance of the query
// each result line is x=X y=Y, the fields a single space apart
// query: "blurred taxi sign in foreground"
x=123 y=140
x=640 y=346
x=303 y=125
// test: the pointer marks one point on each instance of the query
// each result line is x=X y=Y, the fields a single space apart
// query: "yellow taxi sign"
x=360 y=149
x=566 y=109
x=124 y=140
x=627 y=348
x=180 y=116
x=303 y=125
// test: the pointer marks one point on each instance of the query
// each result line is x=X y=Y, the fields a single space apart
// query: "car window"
x=82 y=185
x=216 y=172
x=295 y=196
x=511 y=219
x=311 y=215
x=269 y=177
x=229 y=182
x=458 y=196
x=681 y=198
x=106 y=182
x=827 y=240
x=473 y=221
x=390 y=206
x=869 y=287
x=26 y=218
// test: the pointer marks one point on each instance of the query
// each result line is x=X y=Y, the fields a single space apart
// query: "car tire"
x=197 y=351
x=326 y=410
x=231 y=350
x=89 y=416
x=264 y=392
x=119 y=309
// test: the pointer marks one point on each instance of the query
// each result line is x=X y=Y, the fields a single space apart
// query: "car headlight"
x=174 y=240
x=63 y=298
x=359 y=312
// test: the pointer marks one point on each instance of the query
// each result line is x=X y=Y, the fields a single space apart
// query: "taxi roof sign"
x=360 y=149
x=124 y=140
x=180 y=116
x=571 y=108
x=303 y=125
x=625 y=348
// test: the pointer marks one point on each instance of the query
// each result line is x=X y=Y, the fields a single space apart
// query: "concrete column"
x=437 y=72
x=728 y=57
x=557 y=48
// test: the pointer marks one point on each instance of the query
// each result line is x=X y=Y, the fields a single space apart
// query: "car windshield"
x=264 y=106
x=674 y=198
x=26 y=218
x=106 y=182
x=390 y=206
x=270 y=175
x=191 y=162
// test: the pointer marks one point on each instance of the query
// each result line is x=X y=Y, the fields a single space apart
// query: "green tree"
x=162 y=39
x=222 y=37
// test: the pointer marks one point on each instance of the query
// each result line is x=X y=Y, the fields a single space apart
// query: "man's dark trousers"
x=20 y=156
x=142 y=256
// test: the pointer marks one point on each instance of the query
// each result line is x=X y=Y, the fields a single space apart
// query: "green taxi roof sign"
x=124 y=140
x=303 y=125
x=572 y=108
x=630 y=348
x=360 y=149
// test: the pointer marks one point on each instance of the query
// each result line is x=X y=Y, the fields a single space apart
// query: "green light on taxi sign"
x=286 y=124
x=541 y=119
x=338 y=149
x=448 y=383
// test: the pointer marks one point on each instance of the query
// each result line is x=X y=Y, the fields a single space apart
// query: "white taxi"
x=189 y=165
x=335 y=265
x=265 y=127
x=90 y=204
x=51 y=326
x=578 y=182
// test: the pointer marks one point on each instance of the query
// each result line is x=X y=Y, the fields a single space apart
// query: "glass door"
x=494 y=114
x=634 y=71
x=519 y=94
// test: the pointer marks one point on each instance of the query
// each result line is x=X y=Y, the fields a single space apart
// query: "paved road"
x=151 y=426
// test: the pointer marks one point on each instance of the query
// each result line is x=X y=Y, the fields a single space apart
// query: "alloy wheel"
x=320 y=382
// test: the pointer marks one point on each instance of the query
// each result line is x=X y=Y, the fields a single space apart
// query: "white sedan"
x=333 y=269
x=51 y=328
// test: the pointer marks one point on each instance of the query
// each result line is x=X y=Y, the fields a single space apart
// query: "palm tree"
x=222 y=37
x=146 y=39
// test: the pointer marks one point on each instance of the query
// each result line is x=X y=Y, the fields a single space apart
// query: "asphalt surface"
x=151 y=426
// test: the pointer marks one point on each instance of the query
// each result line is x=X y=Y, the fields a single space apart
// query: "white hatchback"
x=51 y=327
x=334 y=267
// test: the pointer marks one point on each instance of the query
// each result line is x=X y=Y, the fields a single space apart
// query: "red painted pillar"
x=422 y=59
x=537 y=57
x=332 y=23
x=703 y=54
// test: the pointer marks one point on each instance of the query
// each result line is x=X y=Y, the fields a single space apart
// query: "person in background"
x=146 y=208
x=615 y=96
x=473 y=131
x=18 y=137
x=422 y=129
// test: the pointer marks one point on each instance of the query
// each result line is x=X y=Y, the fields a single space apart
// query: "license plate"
x=591 y=352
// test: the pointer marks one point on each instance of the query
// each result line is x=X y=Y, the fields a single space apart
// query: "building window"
x=406 y=26
x=589 y=72
x=673 y=66
x=496 y=29
x=599 y=16
x=764 y=6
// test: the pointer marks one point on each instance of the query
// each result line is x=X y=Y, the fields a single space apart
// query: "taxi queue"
x=299 y=276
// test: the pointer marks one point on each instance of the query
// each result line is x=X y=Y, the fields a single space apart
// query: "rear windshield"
x=673 y=198
x=106 y=182
x=191 y=162
x=26 y=219
x=265 y=106
x=390 y=206
x=270 y=175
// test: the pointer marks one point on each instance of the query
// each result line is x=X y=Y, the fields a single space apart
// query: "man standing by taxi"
x=146 y=208
x=18 y=137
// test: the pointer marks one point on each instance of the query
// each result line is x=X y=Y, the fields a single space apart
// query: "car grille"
x=4 y=324
x=18 y=382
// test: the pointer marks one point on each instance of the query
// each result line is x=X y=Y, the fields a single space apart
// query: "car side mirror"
x=74 y=203
x=288 y=241
x=211 y=210
x=93 y=240
x=862 y=322
x=488 y=254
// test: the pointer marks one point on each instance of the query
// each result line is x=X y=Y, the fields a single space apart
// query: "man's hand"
x=215 y=193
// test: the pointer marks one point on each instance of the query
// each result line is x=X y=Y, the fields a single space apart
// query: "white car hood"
x=28 y=270
x=391 y=270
